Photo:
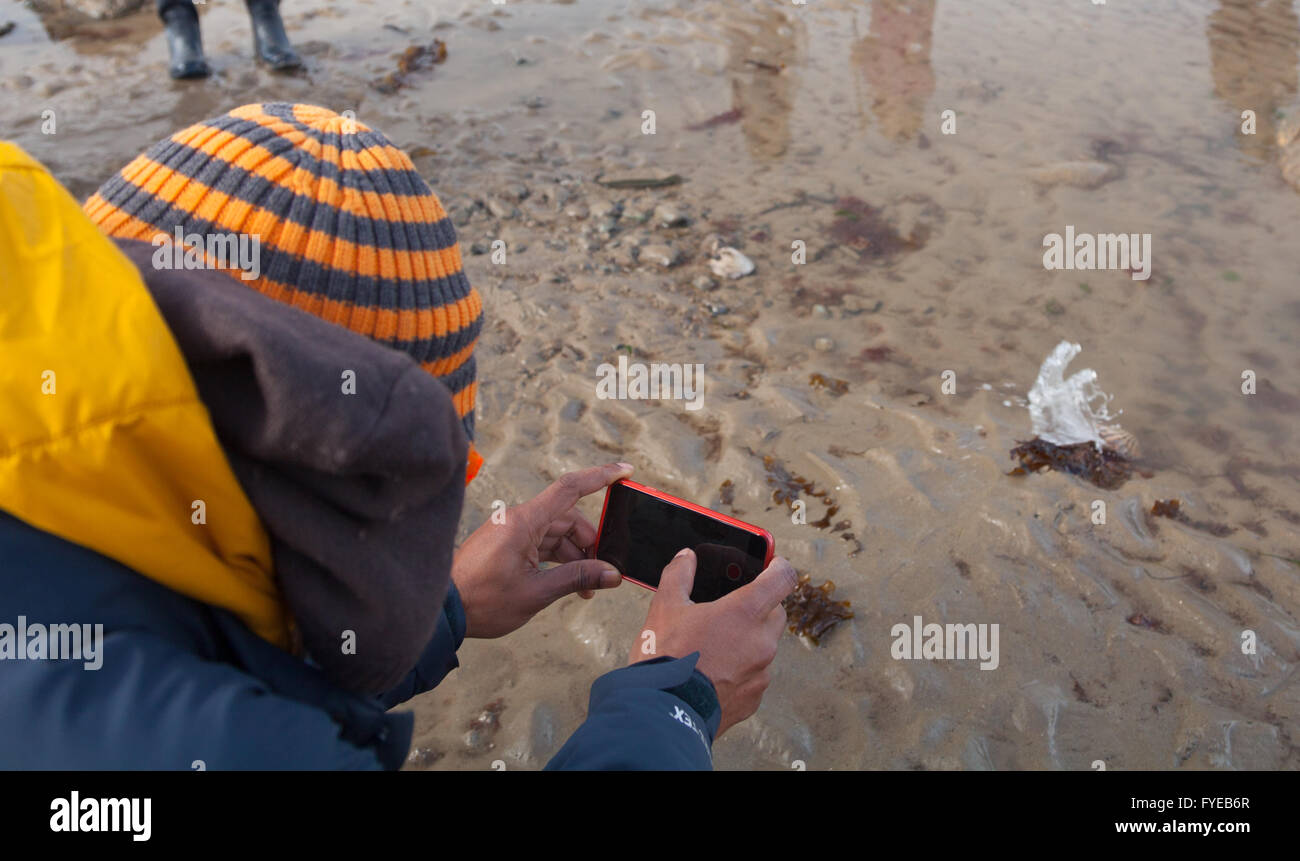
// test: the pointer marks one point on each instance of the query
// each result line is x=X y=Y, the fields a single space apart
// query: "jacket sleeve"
x=439 y=656
x=660 y=714
x=154 y=705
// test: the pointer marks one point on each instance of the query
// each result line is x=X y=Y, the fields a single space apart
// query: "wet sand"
x=1119 y=642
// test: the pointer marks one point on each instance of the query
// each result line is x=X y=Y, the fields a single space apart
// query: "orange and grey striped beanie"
x=347 y=229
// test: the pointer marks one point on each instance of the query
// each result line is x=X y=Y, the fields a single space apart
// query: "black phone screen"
x=641 y=534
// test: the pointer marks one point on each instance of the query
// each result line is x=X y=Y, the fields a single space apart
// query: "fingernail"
x=626 y=466
x=609 y=578
x=681 y=552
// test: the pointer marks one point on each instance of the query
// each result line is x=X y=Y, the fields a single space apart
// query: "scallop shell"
x=730 y=263
x=1119 y=441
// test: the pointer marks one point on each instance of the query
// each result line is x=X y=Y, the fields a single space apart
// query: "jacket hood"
x=351 y=454
x=105 y=441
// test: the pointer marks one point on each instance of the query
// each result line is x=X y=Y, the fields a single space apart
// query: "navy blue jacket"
x=181 y=682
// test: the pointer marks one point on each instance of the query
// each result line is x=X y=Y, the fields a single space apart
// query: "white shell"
x=1119 y=440
x=730 y=263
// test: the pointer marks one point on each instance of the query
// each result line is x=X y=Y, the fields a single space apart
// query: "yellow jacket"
x=103 y=438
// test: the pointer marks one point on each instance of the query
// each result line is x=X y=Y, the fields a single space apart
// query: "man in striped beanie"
x=272 y=549
x=360 y=496
x=347 y=229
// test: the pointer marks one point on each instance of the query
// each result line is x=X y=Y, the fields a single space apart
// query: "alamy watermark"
x=655 y=381
x=131 y=815
x=1131 y=251
x=240 y=251
x=951 y=642
x=37 y=642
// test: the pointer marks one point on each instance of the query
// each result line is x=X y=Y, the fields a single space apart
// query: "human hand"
x=498 y=569
x=735 y=635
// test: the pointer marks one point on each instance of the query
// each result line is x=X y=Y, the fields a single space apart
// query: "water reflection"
x=1253 y=62
x=893 y=61
x=101 y=24
x=761 y=57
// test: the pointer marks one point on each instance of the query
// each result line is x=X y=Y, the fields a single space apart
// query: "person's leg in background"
x=184 y=44
x=269 y=38
x=181 y=24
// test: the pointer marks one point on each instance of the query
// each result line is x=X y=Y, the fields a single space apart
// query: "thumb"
x=766 y=592
x=678 y=577
x=583 y=575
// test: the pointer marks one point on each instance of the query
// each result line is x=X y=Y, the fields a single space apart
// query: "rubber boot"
x=270 y=41
x=181 y=24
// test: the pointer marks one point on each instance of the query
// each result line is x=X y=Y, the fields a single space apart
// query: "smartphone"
x=642 y=529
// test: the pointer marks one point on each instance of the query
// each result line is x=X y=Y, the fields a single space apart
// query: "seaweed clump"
x=811 y=612
x=1170 y=508
x=863 y=229
x=415 y=58
x=727 y=492
x=830 y=384
x=786 y=487
x=1105 y=468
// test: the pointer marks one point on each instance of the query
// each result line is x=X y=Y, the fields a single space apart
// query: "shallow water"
x=822 y=123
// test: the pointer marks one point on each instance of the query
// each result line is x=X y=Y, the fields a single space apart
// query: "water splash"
x=1066 y=411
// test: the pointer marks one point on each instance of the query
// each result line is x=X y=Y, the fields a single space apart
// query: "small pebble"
x=821 y=311
x=602 y=207
x=664 y=255
x=825 y=345
x=667 y=215
x=500 y=209
x=515 y=192
x=479 y=247
x=576 y=210
x=703 y=282
x=423 y=757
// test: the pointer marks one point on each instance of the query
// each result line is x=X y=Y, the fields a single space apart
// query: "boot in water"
x=269 y=39
x=181 y=24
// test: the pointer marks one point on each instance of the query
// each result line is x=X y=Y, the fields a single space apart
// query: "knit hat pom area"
x=314 y=209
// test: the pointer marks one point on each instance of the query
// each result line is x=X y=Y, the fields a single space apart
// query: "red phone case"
x=691 y=506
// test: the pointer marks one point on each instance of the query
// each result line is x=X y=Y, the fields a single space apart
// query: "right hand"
x=736 y=635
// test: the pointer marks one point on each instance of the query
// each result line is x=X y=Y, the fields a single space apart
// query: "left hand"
x=498 y=569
